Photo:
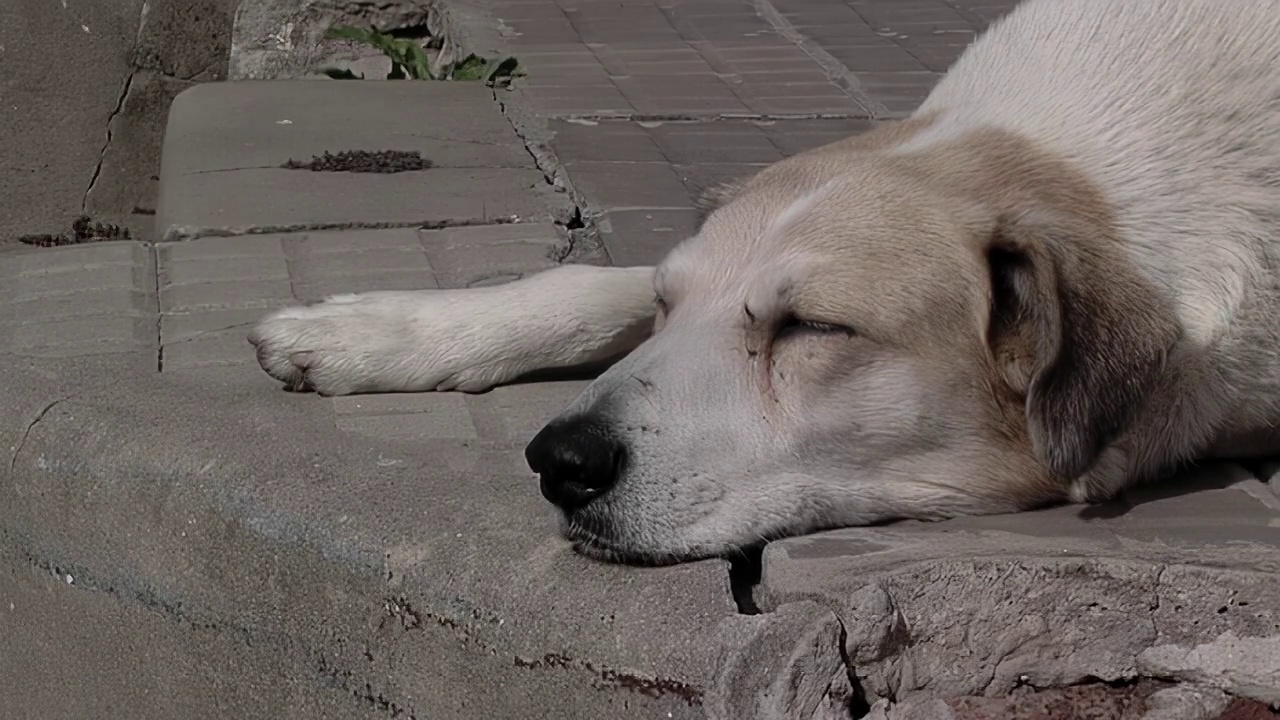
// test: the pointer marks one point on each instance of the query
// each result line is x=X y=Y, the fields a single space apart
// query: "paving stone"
x=578 y=101
x=80 y=300
x=516 y=413
x=227 y=347
x=185 y=327
x=669 y=59
x=434 y=416
x=82 y=336
x=629 y=185
x=606 y=142
x=644 y=237
x=223 y=127
x=794 y=137
x=476 y=256
x=318 y=290
x=725 y=142
x=213 y=289
x=229 y=140
x=648 y=206
x=290 y=199
x=717 y=57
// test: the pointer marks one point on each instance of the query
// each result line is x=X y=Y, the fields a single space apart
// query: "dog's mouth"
x=589 y=541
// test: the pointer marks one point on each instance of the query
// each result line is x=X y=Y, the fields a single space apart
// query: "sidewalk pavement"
x=181 y=538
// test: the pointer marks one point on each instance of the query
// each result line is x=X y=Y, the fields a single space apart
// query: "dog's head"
x=858 y=334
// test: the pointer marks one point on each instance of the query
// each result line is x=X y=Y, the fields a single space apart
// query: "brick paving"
x=700 y=58
x=652 y=101
x=643 y=177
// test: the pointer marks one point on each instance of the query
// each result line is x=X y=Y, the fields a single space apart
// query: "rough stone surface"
x=285 y=39
x=1248 y=666
x=790 y=666
x=82 y=132
x=1173 y=581
x=1187 y=702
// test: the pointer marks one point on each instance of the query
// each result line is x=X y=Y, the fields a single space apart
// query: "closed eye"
x=794 y=326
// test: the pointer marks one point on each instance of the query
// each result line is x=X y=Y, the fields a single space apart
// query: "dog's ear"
x=716 y=196
x=1076 y=330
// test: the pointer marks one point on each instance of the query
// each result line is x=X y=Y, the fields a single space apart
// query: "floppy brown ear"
x=1077 y=330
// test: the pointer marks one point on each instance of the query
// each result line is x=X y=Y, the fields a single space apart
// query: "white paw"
x=468 y=340
x=379 y=342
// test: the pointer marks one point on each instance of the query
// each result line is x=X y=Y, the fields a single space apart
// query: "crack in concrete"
x=582 y=235
x=102 y=156
x=409 y=618
x=80 y=578
x=654 y=687
x=184 y=233
x=858 y=704
x=1155 y=604
x=155 y=273
x=342 y=680
x=13 y=461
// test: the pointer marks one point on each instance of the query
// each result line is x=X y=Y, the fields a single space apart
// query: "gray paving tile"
x=213 y=289
x=611 y=185
x=317 y=290
x=286 y=199
x=80 y=300
x=608 y=141
x=731 y=43
x=644 y=237
x=446 y=418
x=723 y=142
x=477 y=256
x=516 y=412
x=81 y=336
x=228 y=141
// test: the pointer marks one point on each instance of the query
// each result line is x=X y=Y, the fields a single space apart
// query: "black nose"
x=578 y=461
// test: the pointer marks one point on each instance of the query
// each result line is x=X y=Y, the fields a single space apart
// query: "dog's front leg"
x=467 y=340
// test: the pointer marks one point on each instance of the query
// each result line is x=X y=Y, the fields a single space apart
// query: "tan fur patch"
x=1088 y=334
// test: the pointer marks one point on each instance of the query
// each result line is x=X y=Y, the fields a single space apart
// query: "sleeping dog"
x=1056 y=278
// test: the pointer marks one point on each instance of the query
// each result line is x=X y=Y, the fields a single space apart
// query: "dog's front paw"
x=375 y=342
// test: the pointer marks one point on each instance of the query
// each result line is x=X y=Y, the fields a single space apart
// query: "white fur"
x=468 y=340
x=1170 y=109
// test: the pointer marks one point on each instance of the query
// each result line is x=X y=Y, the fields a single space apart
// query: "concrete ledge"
x=226 y=144
x=425 y=568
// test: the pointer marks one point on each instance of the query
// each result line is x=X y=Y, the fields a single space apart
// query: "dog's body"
x=1055 y=279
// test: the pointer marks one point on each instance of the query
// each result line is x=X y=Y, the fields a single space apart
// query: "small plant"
x=83 y=230
x=409 y=60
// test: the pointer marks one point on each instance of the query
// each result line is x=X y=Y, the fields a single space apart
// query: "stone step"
x=226 y=145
